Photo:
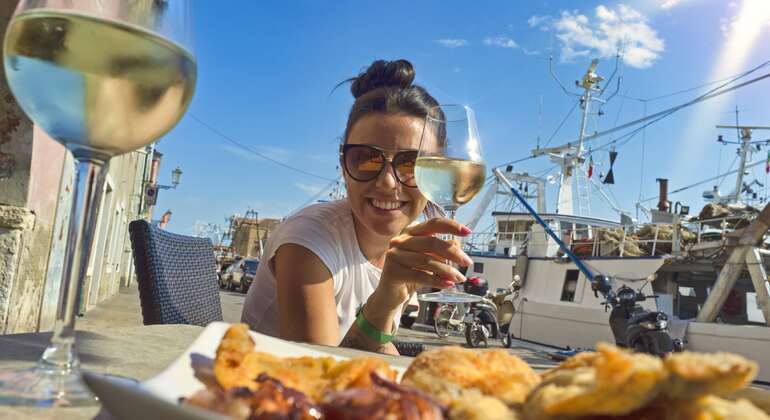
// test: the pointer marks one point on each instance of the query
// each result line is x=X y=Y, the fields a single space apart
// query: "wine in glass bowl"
x=449 y=182
x=98 y=86
x=450 y=171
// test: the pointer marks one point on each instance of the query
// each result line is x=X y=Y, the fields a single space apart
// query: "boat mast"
x=745 y=151
x=570 y=157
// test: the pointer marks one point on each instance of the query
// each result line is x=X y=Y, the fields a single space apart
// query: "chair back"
x=176 y=275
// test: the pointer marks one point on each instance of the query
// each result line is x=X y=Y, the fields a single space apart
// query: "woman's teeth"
x=387 y=205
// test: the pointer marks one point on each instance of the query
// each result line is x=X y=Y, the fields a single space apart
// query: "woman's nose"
x=387 y=178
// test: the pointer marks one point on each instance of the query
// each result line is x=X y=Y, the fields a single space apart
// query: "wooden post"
x=750 y=236
x=759 y=278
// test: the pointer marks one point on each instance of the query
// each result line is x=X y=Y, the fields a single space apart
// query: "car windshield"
x=251 y=267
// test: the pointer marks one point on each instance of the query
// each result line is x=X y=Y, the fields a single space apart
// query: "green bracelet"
x=370 y=331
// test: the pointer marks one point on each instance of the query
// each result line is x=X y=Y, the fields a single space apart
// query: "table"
x=136 y=352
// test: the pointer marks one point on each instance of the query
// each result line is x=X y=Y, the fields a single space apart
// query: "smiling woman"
x=338 y=273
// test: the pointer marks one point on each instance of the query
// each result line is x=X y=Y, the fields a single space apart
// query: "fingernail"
x=465 y=230
x=448 y=283
x=468 y=261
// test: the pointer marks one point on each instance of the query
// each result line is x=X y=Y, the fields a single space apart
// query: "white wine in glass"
x=102 y=77
x=450 y=170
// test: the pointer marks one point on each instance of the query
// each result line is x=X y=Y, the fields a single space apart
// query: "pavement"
x=124 y=310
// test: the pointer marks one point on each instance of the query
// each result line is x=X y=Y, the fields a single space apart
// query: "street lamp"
x=176 y=176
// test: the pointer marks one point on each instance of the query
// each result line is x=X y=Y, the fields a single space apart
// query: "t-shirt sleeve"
x=315 y=235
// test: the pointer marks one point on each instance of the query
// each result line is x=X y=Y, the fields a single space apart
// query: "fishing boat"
x=708 y=272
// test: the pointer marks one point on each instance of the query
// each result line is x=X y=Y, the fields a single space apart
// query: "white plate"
x=158 y=397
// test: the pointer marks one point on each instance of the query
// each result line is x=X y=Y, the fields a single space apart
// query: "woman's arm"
x=306 y=307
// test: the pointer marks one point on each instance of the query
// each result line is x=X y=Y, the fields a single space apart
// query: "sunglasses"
x=365 y=163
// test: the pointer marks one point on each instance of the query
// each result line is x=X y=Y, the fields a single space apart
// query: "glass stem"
x=450 y=214
x=60 y=355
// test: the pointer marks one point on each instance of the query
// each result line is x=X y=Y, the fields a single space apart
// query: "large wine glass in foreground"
x=102 y=77
x=450 y=170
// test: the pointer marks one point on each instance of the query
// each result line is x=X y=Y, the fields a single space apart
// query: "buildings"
x=249 y=234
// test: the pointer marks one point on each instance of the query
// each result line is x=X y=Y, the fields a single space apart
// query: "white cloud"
x=668 y=4
x=452 y=42
x=539 y=21
x=622 y=28
x=500 y=41
x=309 y=189
x=529 y=52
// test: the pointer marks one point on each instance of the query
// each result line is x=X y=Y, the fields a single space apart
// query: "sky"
x=267 y=72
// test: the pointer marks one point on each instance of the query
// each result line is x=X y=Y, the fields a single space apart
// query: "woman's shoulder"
x=331 y=212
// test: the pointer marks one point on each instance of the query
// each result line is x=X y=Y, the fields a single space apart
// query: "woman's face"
x=384 y=206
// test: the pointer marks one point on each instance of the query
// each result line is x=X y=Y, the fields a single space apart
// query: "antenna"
x=556 y=78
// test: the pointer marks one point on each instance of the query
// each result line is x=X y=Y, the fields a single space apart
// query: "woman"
x=338 y=273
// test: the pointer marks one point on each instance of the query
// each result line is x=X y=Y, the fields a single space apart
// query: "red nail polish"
x=465 y=230
x=448 y=283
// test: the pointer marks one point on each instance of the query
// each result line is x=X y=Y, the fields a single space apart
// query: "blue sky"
x=267 y=70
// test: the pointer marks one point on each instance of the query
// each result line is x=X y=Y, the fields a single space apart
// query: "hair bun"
x=382 y=73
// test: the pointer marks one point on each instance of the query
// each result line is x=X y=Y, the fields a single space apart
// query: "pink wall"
x=45 y=176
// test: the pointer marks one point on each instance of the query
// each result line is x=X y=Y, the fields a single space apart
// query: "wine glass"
x=450 y=171
x=102 y=77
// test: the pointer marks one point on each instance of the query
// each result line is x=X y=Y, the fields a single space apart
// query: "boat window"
x=570 y=285
x=478 y=267
x=581 y=231
x=566 y=230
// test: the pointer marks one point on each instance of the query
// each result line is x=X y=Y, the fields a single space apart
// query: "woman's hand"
x=417 y=258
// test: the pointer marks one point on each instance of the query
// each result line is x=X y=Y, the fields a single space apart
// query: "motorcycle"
x=637 y=328
x=485 y=319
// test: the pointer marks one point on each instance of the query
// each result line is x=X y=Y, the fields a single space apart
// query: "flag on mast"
x=590 y=165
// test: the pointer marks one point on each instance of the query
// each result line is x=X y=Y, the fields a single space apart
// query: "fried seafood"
x=695 y=374
x=237 y=364
x=382 y=400
x=614 y=383
x=448 y=371
x=707 y=407
x=473 y=405
x=270 y=400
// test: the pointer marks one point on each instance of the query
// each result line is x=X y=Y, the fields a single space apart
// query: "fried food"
x=758 y=397
x=473 y=405
x=448 y=371
x=614 y=382
x=382 y=400
x=271 y=400
x=237 y=365
x=696 y=374
x=582 y=359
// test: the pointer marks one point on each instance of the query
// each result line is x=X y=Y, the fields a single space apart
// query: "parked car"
x=241 y=274
x=226 y=273
x=249 y=272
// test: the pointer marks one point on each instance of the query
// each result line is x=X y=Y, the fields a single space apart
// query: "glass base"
x=39 y=387
x=449 y=296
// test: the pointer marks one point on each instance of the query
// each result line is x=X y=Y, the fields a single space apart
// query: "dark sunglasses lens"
x=405 y=162
x=363 y=163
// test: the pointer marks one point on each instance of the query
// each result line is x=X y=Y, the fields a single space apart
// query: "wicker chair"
x=176 y=275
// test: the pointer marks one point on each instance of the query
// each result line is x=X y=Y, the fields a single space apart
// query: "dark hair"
x=386 y=87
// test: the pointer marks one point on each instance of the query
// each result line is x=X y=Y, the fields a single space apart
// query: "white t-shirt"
x=326 y=230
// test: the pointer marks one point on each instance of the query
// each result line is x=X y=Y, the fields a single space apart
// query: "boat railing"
x=716 y=228
x=632 y=240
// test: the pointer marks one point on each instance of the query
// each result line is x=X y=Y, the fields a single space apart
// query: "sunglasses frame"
x=346 y=147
